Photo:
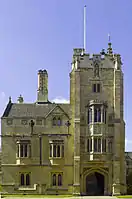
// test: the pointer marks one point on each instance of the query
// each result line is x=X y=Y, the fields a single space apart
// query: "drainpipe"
x=40 y=149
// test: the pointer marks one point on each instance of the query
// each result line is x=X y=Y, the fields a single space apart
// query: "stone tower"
x=96 y=98
x=42 y=86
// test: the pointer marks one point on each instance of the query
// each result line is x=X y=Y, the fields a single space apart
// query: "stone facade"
x=50 y=148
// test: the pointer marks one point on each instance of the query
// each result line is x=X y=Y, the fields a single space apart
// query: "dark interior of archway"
x=95 y=184
x=100 y=183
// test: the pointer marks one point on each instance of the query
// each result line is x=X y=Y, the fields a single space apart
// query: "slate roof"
x=32 y=109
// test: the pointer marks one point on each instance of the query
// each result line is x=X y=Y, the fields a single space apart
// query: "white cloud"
x=2 y=95
x=60 y=100
x=128 y=141
x=128 y=144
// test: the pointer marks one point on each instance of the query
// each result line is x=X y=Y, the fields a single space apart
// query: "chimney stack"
x=42 y=86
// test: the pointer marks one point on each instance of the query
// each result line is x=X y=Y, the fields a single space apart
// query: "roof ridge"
x=7 y=110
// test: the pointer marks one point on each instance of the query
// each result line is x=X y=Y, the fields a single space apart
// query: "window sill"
x=56 y=160
x=28 y=188
x=97 y=153
x=22 y=160
x=56 y=188
x=51 y=158
x=18 y=158
x=93 y=123
x=58 y=126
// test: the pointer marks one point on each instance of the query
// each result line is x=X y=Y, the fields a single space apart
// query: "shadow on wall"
x=129 y=183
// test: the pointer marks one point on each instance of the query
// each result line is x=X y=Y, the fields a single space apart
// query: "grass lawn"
x=36 y=196
x=125 y=196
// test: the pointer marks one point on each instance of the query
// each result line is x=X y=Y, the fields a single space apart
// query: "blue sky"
x=40 y=34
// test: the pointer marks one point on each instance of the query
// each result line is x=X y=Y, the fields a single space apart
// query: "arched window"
x=59 y=180
x=58 y=150
x=54 y=180
x=27 y=179
x=22 y=179
x=54 y=121
x=89 y=115
x=59 y=121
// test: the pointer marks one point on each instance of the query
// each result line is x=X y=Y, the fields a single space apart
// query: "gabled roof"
x=57 y=106
x=7 y=109
x=33 y=109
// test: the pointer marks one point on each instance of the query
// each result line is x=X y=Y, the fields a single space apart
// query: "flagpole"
x=84 y=28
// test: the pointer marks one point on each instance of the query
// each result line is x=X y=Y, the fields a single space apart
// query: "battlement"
x=86 y=60
x=78 y=51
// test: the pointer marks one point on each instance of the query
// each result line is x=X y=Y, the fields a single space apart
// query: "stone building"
x=75 y=148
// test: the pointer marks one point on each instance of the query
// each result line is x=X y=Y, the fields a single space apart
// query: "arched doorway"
x=95 y=184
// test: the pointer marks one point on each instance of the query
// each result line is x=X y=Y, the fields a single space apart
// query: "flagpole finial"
x=109 y=39
x=109 y=49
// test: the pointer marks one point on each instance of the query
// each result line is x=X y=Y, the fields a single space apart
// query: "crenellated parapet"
x=102 y=60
